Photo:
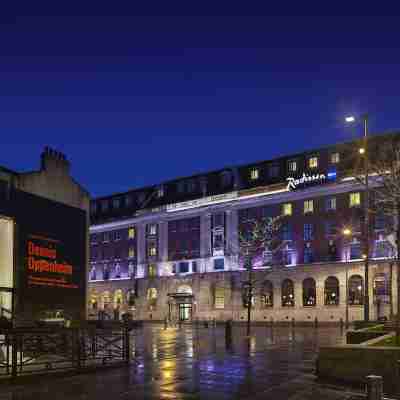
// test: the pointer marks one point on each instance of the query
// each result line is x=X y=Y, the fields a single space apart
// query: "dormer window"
x=254 y=174
x=335 y=158
x=292 y=166
x=160 y=191
x=313 y=162
x=116 y=203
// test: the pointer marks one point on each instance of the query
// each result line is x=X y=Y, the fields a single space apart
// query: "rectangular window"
x=219 y=297
x=131 y=233
x=93 y=238
x=330 y=228
x=308 y=206
x=254 y=174
x=116 y=203
x=355 y=199
x=152 y=250
x=355 y=250
x=194 y=266
x=381 y=249
x=313 y=162
x=104 y=205
x=218 y=220
x=180 y=186
x=308 y=255
x=106 y=237
x=152 y=270
x=335 y=158
x=183 y=267
x=308 y=232
x=128 y=200
x=160 y=191
x=292 y=166
x=152 y=229
x=287 y=209
x=286 y=232
x=184 y=225
x=379 y=221
x=331 y=204
x=273 y=171
x=117 y=235
x=131 y=252
x=219 y=264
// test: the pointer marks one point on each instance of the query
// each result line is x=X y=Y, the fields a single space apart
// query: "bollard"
x=374 y=387
x=228 y=334
x=341 y=323
x=292 y=321
x=165 y=324
x=272 y=321
x=316 y=322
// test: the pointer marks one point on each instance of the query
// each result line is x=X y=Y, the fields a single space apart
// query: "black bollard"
x=316 y=322
x=293 y=322
x=228 y=334
x=341 y=323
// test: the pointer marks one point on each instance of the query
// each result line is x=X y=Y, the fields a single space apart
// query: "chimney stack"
x=54 y=162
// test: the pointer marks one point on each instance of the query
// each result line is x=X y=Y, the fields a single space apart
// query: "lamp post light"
x=363 y=151
x=347 y=233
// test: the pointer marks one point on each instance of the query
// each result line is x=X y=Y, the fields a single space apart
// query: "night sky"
x=138 y=96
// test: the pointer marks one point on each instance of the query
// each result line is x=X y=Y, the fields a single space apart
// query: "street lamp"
x=364 y=152
x=347 y=233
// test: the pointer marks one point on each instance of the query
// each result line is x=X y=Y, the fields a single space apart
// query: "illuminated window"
x=287 y=291
x=152 y=229
x=355 y=199
x=267 y=294
x=335 y=158
x=131 y=252
x=219 y=297
x=331 y=291
x=131 y=233
x=152 y=296
x=292 y=166
x=287 y=209
x=356 y=290
x=254 y=174
x=308 y=206
x=313 y=162
x=331 y=204
x=152 y=272
x=309 y=293
x=152 y=250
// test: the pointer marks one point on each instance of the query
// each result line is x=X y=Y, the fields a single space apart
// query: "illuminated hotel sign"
x=220 y=198
x=307 y=179
x=46 y=265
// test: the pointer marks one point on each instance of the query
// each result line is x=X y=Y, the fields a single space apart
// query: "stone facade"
x=187 y=257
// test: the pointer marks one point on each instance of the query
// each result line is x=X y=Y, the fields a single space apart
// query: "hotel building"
x=172 y=250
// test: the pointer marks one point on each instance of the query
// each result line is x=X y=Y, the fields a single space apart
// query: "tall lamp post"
x=347 y=233
x=364 y=152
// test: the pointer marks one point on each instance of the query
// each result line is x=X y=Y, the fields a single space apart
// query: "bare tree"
x=257 y=236
x=384 y=172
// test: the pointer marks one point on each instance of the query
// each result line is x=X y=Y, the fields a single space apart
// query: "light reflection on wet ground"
x=191 y=363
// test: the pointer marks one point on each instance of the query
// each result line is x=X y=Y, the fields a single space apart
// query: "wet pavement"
x=195 y=363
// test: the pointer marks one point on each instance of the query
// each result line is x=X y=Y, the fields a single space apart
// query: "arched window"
x=309 y=293
x=356 y=290
x=331 y=291
x=106 y=300
x=118 y=298
x=130 y=298
x=381 y=288
x=287 y=293
x=267 y=294
x=152 y=296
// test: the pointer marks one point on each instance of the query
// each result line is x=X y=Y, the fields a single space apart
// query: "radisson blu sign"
x=310 y=179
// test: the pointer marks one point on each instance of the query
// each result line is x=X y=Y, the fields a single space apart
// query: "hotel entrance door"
x=185 y=312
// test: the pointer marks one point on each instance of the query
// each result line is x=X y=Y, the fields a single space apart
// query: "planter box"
x=352 y=363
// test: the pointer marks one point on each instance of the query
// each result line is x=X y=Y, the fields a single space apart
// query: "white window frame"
x=313 y=162
x=353 y=196
x=254 y=174
x=308 y=206
x=287 y=209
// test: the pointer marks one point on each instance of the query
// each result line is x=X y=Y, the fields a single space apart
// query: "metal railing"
x=32 y=351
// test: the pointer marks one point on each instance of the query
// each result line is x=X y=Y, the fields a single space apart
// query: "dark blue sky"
x=137 y=96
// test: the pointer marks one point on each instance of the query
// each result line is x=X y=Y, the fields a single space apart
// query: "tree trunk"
x=249 y=298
